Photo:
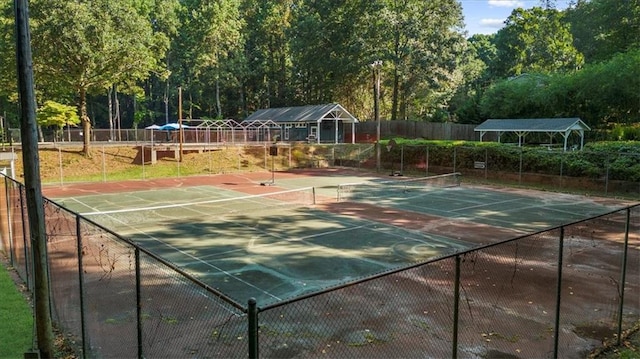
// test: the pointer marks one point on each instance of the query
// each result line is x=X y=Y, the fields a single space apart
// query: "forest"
x=132 y=63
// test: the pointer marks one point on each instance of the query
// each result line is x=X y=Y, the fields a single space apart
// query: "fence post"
x=623 y=276
x=142 y=156
x=26 y=243
x=402 y=159
x=138 y=302
x=264 y=155
x=104 y=166
x=426 y=162
x=9 y=208
x=456 y=306
x=562 y=169
x=85 y=340
x=455 y=153
x=606 y=177
x=486 y=164
x=520 y=169
x=252 y=317
x=60 y=164
x=556 y=329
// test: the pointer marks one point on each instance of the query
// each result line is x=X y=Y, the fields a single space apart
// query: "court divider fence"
x=546 y=167
x=114 y=299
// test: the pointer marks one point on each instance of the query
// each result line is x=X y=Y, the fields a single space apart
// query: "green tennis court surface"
x=280 y=246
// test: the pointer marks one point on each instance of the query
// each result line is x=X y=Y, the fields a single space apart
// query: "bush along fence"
x=539 y=295
x=594 y=172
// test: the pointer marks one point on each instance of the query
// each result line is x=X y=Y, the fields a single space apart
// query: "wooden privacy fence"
x=366 y=131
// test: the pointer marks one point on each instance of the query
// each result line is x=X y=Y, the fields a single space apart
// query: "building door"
x=313 y=133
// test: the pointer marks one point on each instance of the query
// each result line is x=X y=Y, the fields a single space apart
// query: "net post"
x=252 y=317
x=313 y=195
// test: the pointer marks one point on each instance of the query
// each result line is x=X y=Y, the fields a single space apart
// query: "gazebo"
x=522 y=127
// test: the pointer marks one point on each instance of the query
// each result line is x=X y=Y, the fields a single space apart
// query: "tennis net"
x=388 y=189
x=205 y=210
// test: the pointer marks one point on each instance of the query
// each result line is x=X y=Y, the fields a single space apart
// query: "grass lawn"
x=16 y=330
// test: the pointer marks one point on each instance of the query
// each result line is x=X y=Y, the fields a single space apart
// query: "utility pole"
x=33 y=186
x=376 y=65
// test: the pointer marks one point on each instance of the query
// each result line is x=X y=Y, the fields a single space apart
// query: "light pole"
x=376 y=65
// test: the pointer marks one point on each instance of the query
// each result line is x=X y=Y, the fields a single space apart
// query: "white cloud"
x=506 y=3
x=493 y=23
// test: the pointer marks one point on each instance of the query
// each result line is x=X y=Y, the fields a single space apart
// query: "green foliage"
x=603 y=28
x=617 y=160
x=86 y=46
x=57 y=115
x=600 y=94
x=535 y=40
x=327 y=53
x=231 y=57
x=419 y=41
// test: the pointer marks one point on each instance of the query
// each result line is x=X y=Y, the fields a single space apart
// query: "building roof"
x=304 y=114
x=533 y=125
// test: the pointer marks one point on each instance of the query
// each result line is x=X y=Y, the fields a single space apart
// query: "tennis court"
x=283 y=244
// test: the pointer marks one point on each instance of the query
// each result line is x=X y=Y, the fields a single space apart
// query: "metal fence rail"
x=118 y=300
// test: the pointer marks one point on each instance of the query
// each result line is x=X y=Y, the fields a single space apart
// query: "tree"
x=330 y=55
x=535 y=40
x=421 y=41
x=57 y=115
x=210 y=34
x=603 y=28
x=474 y=65
x=8 y=86
x=267 y=78
x=86 y=46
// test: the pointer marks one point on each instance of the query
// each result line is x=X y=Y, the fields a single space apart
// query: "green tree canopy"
x=535 y=40
x=57 y=115
x=603 y=28
x=86 y=46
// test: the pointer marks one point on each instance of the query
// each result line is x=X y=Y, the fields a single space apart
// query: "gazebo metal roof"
x=310 y=115
x=522 y=127
x=314 y=113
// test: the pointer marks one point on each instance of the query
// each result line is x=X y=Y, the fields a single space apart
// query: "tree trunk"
x=395 y=99
x=110 y=105
x=218 y=105
x=118 y=123
x=86 y=123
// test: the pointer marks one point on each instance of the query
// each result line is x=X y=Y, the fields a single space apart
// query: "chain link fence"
x=531 y=296
x=585 y=171
x=608 y=174
x=479 y=303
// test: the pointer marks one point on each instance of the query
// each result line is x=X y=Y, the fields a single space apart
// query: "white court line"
x=196 y=259
x=486 y=205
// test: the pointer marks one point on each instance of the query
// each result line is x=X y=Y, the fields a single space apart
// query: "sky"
x=488 y=16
